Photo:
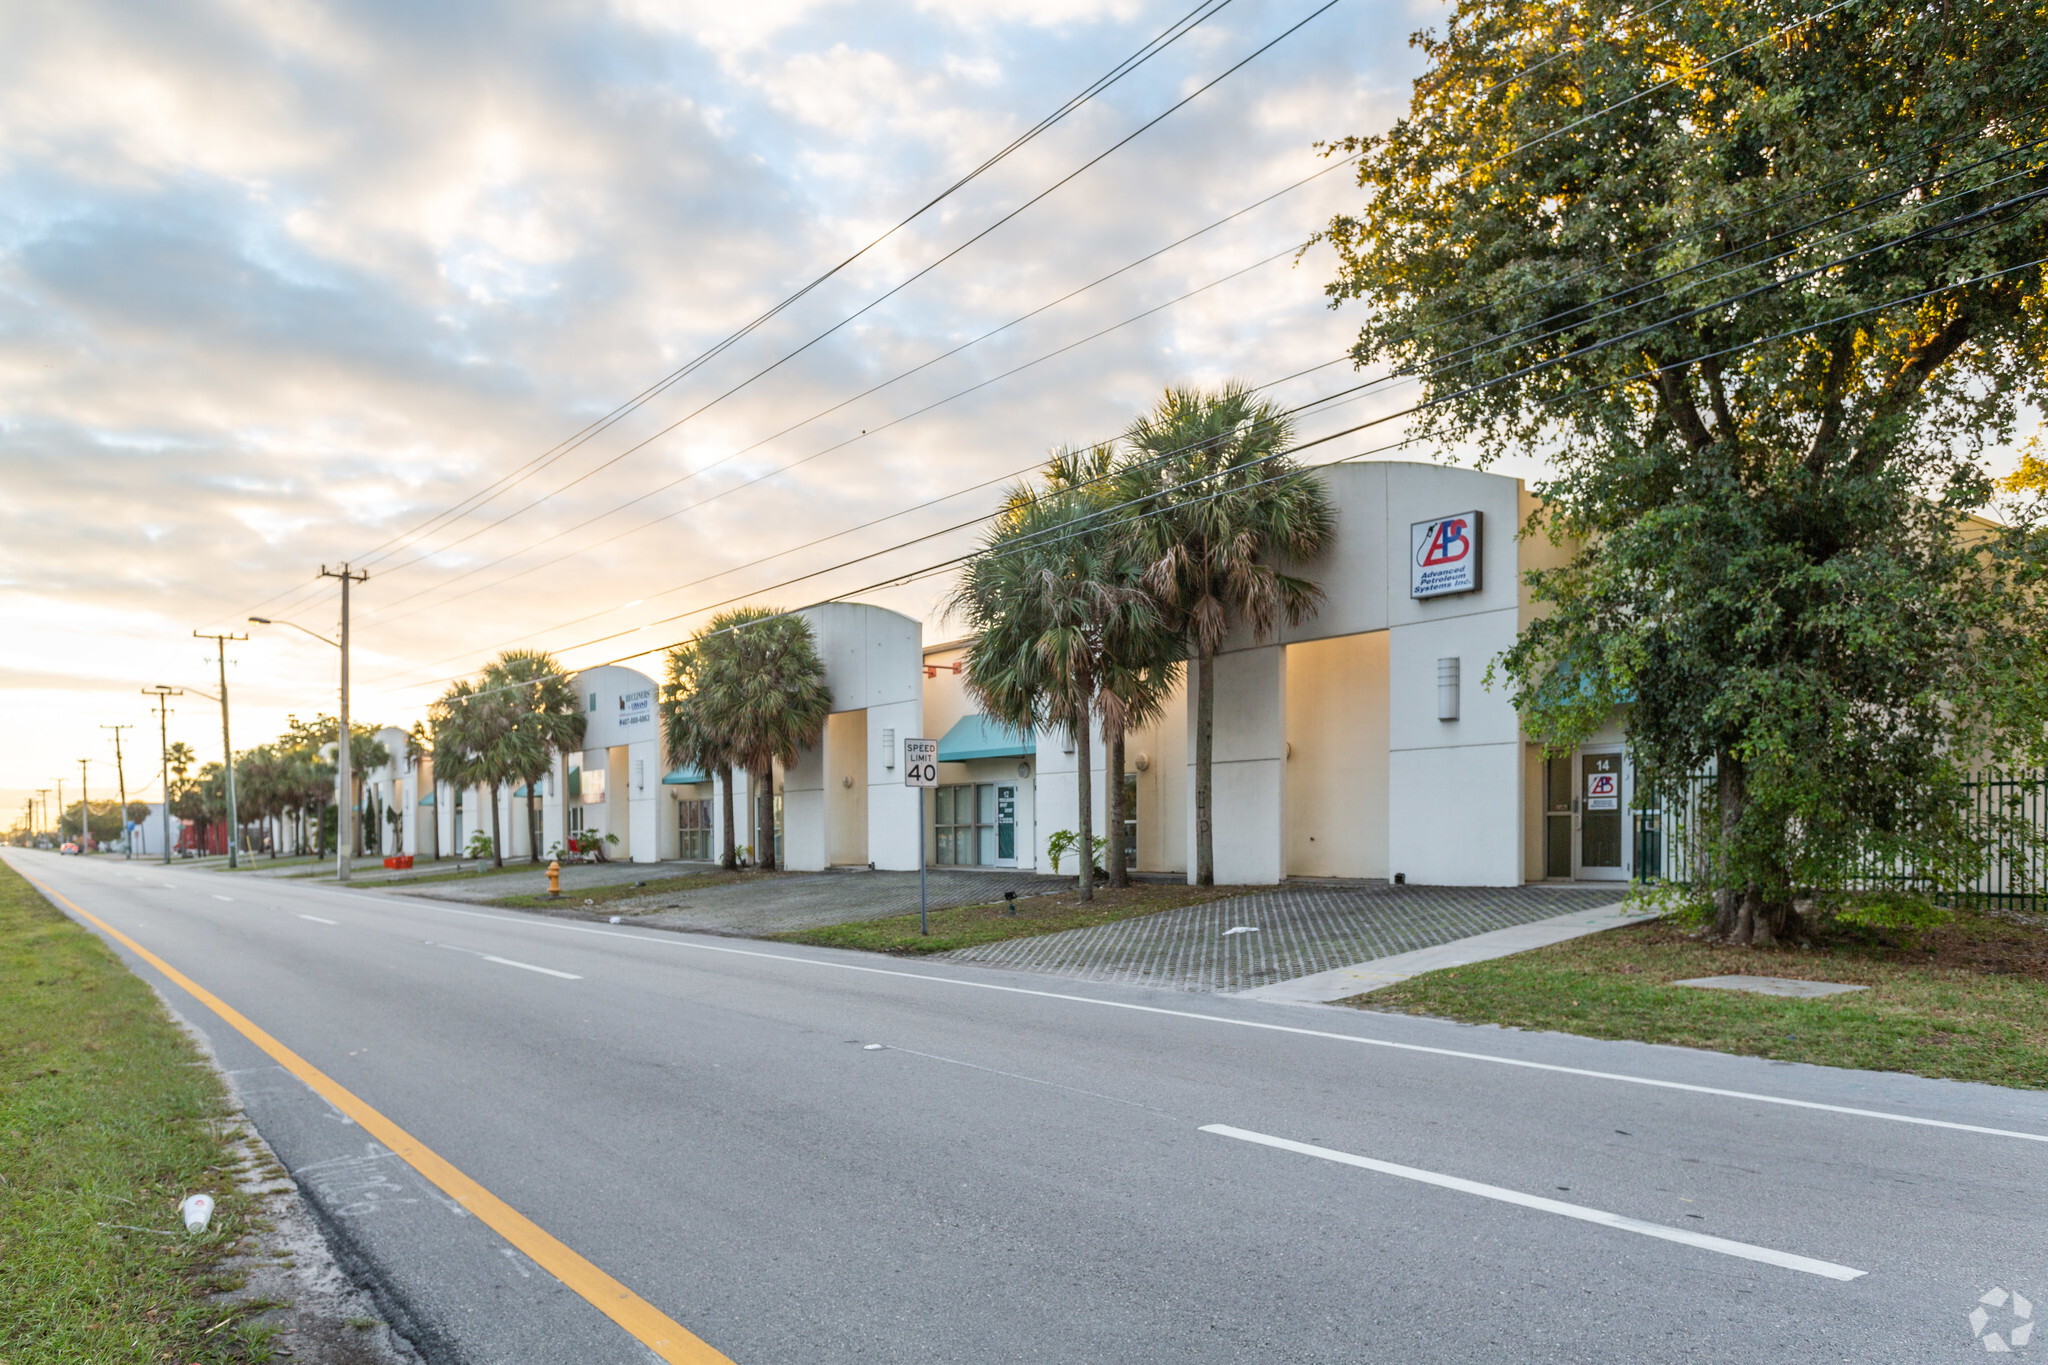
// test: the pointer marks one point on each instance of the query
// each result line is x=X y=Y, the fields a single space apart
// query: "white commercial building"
x=1363 y=742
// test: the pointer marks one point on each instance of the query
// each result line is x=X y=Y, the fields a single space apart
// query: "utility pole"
x=61 y=813
x=84 y=812
x=345 y=822
x=227 y=748
x=121 y=778
x=163 y=737
x=43 y=795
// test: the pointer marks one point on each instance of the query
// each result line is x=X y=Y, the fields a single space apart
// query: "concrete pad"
x=1771 y=985
x=1344 y=982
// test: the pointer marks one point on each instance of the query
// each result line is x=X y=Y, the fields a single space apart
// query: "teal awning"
x=977 y=736
x=684 y=777
x=426 y=799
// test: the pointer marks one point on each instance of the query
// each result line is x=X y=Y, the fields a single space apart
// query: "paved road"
x=1020 y=1170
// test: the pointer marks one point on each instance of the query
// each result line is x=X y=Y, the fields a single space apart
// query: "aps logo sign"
x=1444 y=556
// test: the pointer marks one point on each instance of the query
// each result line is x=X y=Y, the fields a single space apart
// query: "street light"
x=266 y=621
x=345 y=823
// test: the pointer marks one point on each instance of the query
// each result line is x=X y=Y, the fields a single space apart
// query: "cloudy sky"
x=282 y=283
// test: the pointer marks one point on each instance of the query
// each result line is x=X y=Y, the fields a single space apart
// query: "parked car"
x=70 y=847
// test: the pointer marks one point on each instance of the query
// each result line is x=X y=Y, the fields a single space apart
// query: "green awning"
x=976 y=736
x=684 y=777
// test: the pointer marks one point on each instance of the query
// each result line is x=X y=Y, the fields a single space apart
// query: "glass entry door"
x=1600 y=822
x=1006 y=824
x=1558 y=816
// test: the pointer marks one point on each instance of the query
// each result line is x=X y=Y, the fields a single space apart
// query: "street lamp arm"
x=267 y=621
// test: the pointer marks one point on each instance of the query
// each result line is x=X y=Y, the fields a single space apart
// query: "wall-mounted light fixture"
x=889 y=750
x=1446 y=689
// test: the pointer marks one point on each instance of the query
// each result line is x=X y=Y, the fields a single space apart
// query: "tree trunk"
x=497 y=831
x=764 y=819
x=731 y=858
x=1205 y=752
x=1114 y=855
x=1084 y=798
x=532 y=822
x=1730 y=903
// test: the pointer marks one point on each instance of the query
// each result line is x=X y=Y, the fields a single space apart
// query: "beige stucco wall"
x=1337 y=764
x=846 y=806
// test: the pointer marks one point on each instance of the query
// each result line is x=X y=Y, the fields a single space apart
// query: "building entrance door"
x=1006 y=824
x=1602 y=854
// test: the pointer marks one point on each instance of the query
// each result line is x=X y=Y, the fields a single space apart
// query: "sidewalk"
x=1285 y=934
x=1344 y=982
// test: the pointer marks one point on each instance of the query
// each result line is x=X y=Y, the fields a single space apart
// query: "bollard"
x=554 y=876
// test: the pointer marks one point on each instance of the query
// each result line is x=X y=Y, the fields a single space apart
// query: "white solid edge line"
x=317 y=920
x=1745 y=1250
x=677 y=941
x=528 y=966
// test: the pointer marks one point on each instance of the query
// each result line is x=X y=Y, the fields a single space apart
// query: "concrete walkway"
x=1290 y=932
x=1344 y=982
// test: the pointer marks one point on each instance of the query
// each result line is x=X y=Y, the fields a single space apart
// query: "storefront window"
x=966 y=823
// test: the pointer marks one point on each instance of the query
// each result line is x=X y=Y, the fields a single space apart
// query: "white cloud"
x=279 y=281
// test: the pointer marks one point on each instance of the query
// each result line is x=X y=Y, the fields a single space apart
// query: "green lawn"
x=108 y=1117
x=967 y=925
x=1967 y=1002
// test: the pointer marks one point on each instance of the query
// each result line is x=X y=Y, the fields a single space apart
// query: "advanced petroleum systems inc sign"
x=1444 y=556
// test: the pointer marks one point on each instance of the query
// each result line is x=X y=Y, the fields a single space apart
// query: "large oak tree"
x=1762 y=280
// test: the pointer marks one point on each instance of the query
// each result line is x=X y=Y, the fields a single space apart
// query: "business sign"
x=920 y=763
x=1603 y=791
x=636 y=708
x=1444 y=556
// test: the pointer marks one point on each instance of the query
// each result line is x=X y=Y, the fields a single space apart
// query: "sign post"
x=921 y=770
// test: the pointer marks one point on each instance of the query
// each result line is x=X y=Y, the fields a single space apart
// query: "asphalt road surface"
x=807 y=1156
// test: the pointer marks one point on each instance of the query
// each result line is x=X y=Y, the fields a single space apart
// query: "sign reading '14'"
x=920 y=763
x=1444 y=556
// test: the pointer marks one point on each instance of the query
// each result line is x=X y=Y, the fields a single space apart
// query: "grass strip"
x=1967 y=1003
x=108 y=1117
x=574 y=897
x=967 y=926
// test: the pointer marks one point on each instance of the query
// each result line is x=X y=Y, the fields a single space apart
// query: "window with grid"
x=965 y=820
x=693 y=830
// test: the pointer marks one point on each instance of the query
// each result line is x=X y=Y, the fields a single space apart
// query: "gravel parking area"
x=1285 y=933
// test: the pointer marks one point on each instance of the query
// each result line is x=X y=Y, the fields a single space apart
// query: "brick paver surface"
x=1297 y=931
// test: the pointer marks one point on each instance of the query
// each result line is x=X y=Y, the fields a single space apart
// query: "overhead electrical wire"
x=734 y=455
x=896 y=579
x=883 y=297
x=1572 y=317
x=1175 y=31
x=1345 y=161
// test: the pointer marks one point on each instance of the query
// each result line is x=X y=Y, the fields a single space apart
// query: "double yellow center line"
x=648 y=1324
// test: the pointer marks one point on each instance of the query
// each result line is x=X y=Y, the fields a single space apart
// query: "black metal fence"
x=1673 y=839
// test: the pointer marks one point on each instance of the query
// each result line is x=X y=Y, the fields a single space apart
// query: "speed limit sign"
x=920 y=763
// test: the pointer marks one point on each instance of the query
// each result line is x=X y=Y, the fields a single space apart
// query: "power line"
x=1159 y=43
x=898 y=579
x=877 y=301
x=1513 y=151
x=1452 y=361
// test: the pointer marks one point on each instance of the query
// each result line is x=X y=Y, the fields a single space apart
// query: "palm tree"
x=1214 y=503
x=546 y=717
x=756 y=686
x=1053 y=600
x=687 y=739
x=475 y=745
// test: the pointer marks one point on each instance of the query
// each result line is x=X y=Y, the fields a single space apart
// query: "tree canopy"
x=1763 y=282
